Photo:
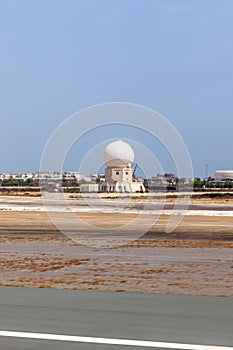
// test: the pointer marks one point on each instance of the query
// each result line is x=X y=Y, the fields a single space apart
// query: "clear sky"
x=59 y=56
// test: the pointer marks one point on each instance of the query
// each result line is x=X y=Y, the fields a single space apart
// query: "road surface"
x=132 y=316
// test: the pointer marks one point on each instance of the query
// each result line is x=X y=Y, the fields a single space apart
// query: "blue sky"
x=60 y=56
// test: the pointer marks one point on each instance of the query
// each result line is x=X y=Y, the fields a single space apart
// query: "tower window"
x=117 y=173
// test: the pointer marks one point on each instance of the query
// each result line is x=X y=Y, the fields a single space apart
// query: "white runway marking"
x=112 y=341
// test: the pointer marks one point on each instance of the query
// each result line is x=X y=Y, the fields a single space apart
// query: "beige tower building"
x=118 y=158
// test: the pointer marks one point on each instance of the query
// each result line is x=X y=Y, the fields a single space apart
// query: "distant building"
x=118 y=158
x=223 y=175
x=88 y=188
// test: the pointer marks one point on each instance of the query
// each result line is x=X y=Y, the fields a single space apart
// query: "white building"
x=221 y=175
x=88 y=188
x=118 y=158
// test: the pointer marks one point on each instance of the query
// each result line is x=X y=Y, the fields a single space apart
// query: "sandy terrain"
x=197 y=258
x=160 y=267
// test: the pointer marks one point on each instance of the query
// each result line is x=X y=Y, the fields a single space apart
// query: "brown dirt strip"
x=196 y=259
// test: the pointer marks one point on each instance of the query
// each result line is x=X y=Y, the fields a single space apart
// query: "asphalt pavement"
x=132 y=316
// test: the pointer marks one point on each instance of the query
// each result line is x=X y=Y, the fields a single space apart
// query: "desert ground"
x=196 y=258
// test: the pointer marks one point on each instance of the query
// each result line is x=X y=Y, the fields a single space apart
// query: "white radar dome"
x=118 y=153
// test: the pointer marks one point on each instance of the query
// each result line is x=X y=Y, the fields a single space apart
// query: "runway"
x=145 y=319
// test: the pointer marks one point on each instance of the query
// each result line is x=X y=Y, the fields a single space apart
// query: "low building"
x=89 y=188
x=223 y=175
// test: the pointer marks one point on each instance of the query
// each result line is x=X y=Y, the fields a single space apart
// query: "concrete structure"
x=118 y=158
x=223 y=175
x=89 y=188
